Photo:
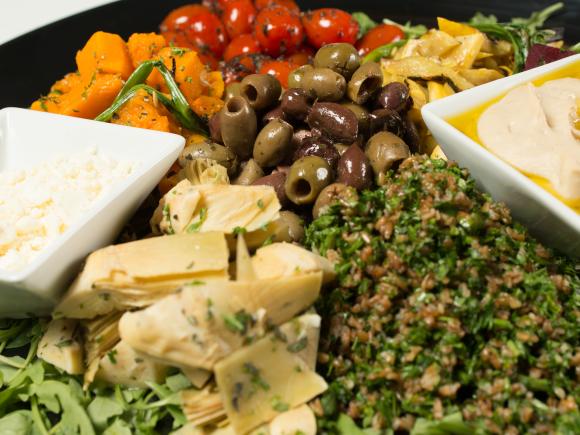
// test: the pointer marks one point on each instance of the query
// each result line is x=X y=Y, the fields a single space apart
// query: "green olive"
x=306 y=179
x=339 y=57
x=333 y=194
x=324 y=84
x=232 y=90
x=362 y=114
x=204 y=149
x=295 y=77
x=288 y=228
x=385 y=150
x=365 y=82
x=239 y=125
x=250 y=172
x=273 y=143
x=261 y=90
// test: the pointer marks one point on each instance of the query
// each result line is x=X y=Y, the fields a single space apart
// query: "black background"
x=31 y=63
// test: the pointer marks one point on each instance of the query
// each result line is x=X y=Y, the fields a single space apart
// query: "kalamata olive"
x=354 y=169
x=273 y=143
x=362 y=114
x=296 y=76
x=387 y=120
x=307 y=177
x=277 y=180
x=232 y=90
x=275 y=113
x=334 y=121
x=296 y=103
x=215 y=130
x=320 y=147
x=324 y=84
x=261 y=90
x=299 y=136
x=339 y=57
x=250 y=172
x=204 y=149
x=334 y=193
x=365 y=82
x=385 y=150
x=412 y=136
x=238 y=126
x=394 y=96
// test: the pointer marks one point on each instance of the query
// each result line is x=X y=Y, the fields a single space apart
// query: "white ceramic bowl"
x=548 y=219
x=28 y=138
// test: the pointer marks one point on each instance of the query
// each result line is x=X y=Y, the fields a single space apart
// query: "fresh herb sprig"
x=522 y=33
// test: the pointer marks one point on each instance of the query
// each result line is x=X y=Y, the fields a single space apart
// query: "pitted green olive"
x=232 y=90
x=385 y=150
x=262 y=91
x=324 y=84
x=365 y=82
x=306 y=179
x=273 y=143
x=204 y=149
x=296 y=76
x=238 y=126
x=339 y=57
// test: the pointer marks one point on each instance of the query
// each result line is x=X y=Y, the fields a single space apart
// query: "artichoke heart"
x=260 y=381
x=136 y=274
x=215 y=207
x=61 y=347
x=202 y=324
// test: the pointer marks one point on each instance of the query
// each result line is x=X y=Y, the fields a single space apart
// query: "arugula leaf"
x=346 y=426
x=383 y=51
x=575 y=47
x=16 y=423
x=411 y=31
x=452 y=424
x=365 y=23
x=101 y=409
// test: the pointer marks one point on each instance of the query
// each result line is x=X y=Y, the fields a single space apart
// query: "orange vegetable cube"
x=206 y=107
x=145 y=46
x=104 y=53
x=144 y=111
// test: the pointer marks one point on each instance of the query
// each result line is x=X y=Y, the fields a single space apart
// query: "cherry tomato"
x=243 y=44
x=288 y=4
x=216 y=6
x=279 y=69
x=302 y=57
x=239 y=67
x=380 y=35
x=199 y=26
x=327 y=25
x=238 y=17
x=278 y=31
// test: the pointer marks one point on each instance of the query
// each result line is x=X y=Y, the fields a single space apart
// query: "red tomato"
x=238 y=17
x=240 y=66
x=327 y=25
x=216 y=6
x=288 y=4
x=279 y=69
x=302 y=57
x=278 y=31
x=199 y=26
x=380 y=35
x=243 y=44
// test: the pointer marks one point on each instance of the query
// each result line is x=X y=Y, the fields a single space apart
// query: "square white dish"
x=548 y=219
x=29 y=138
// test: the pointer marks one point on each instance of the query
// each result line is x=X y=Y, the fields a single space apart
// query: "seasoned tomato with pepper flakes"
x=288 y=4
x=328 y=25
x=278 y=31
x=198 y=27
x=240 y=66
x=279 y=69
x=243 y=44
x=238 y=17
x=381 y=35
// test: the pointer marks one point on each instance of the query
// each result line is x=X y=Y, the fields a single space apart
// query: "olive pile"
x=336 y=126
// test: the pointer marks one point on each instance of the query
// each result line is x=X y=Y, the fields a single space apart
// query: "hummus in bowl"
x=534 y=128
x=519 y=137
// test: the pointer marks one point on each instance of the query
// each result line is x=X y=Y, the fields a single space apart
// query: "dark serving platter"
x=32 y=62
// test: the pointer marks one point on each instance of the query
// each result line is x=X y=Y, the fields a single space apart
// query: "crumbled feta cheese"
x=39 y=204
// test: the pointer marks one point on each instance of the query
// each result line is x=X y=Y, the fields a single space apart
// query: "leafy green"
x=365 y=23
x=383 y=51
x=411 y=31
x=38 y=399
x=522 y=33
x=575 y=47
x=452 y=424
